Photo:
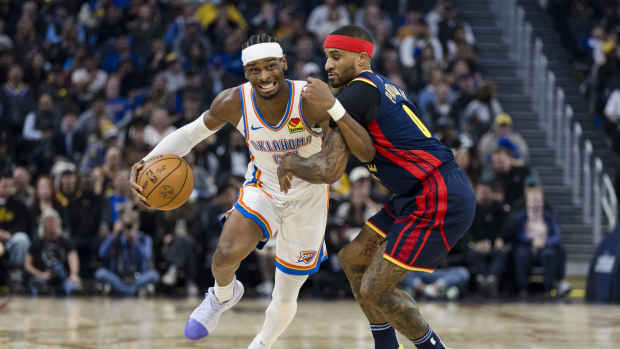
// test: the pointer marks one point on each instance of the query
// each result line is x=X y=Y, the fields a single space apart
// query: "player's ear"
x=363 y=59
x=245 y=73
x=284 y=63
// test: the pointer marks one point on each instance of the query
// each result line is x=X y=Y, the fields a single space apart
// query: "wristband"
x=337 y=111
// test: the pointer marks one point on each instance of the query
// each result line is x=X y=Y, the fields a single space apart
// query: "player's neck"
x=363 y=70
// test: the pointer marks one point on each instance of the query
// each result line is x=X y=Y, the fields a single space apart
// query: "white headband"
x=260 y=51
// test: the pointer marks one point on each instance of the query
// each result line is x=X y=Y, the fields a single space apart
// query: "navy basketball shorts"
x=422 y=227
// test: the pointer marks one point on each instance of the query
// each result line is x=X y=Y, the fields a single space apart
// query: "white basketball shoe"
x=205 y=317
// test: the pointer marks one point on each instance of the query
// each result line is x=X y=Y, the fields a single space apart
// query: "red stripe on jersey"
x=430 y=191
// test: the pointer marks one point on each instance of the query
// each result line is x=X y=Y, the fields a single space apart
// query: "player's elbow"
x=332 y=177
x=368 y=154
x=333 y=173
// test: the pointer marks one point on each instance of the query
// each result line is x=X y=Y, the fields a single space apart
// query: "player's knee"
x=367 y=292
x=226 y=254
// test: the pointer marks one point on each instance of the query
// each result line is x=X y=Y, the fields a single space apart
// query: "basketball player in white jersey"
x=271 y=113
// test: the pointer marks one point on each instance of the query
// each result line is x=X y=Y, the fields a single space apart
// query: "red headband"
x=348 y=43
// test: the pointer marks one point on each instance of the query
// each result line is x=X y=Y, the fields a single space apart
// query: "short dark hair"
x=354 y=31
x=258 y=39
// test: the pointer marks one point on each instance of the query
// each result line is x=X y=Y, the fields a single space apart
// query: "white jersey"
x=268 y=144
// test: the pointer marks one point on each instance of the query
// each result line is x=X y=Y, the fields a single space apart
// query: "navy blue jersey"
x=407 y=153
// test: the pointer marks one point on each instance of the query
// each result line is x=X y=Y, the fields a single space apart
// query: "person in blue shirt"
x=127 y=253
x=537 y=240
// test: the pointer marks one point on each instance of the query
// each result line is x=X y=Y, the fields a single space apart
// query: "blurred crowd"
x=590 y=30
x=89 y=87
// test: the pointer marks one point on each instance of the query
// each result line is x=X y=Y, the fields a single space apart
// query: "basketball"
x=167 y=182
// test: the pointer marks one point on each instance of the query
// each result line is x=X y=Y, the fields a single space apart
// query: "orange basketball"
x=167 y=182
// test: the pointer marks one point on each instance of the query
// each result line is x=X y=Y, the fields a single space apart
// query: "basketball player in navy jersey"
x=433 y=203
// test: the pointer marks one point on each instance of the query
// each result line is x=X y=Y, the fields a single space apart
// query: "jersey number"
x=417 y=121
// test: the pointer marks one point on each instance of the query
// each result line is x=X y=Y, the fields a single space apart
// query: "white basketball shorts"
x=297 y=225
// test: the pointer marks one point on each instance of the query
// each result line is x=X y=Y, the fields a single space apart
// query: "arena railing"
x=590 y=186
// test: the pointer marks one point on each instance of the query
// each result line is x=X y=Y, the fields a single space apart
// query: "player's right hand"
x=136 y=189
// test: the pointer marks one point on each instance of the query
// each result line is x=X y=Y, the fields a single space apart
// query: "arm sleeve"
x=181 y=141
x=361 y=100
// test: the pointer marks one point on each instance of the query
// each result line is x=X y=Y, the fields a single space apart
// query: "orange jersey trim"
x=258 y=215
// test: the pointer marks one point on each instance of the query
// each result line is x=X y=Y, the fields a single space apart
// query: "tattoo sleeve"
x=326 y=166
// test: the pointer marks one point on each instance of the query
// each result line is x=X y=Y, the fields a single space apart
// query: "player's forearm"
x=181 y=141
x=314 y=169
x=326 y=166
x=357 y=138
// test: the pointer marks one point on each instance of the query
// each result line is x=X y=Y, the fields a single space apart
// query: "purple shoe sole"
x=194 y=330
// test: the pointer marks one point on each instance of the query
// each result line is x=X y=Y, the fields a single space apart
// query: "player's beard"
x=343 y=78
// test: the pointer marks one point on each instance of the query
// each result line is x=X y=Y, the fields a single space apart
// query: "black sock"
x=385 y=336
x=429 y=341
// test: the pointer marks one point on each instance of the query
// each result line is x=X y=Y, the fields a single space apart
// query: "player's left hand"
x=317 y=92
x=285 y=175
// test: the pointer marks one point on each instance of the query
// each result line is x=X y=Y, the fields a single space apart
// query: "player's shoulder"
x=366 y=78
x=227 y=101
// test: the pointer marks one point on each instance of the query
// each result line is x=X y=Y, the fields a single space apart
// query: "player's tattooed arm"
x=326 y=166
x=317 y=98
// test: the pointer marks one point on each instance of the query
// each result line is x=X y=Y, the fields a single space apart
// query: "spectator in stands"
x=538 y=241
x=479 y=113
x=88 y=80
x=217 y=212
x=412 y=45
x=17 y=99
x=326 y=18
x=486 y=246
x=14 y=230
x=467 y=87
x=145 y=28
x=84 y=212
x=440 y=108
x=468 y=159
x=511 y=173
x=39 y=127
x=67 y=141
x=355 y=211
x=502 y=128
x=441 y=283
x=178 y=252
x=611 y=121
x=24 y=192
x=45 y=200
x=117 y=108
x=330 y=281
x=127 y=253
x=121 y=50
x=135 y=146
x=94 y=119
x=118 y=198
x=158 y=128
x=371 y=17
x=52 y=260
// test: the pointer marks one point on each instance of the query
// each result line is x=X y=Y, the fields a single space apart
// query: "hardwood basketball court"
x=88 y=323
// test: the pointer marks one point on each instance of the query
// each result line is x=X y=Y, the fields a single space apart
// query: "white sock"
x=224 y=293
x=281 y=310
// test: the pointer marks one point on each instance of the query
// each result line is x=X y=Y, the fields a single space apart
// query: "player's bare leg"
x=379 y=287
x=355 y=258
x=239 y=238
